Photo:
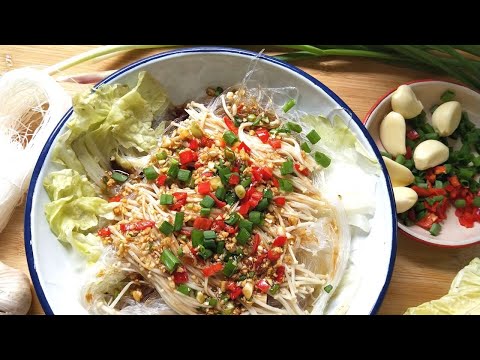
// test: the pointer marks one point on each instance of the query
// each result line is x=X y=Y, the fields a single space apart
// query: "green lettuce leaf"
x=111 y=121
x=75 y=211
x=463 y=298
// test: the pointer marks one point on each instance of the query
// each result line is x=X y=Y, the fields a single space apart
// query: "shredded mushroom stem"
x=298 y=220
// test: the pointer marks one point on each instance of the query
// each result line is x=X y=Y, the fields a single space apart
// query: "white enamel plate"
x=58 y=274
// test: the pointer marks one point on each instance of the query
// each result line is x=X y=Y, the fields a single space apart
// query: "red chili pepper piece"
x=244 y=147
x=280 y=241
x=280 y=201
x=262 y=285
x=263 y=134
x=212 y=269
x=256 y=242
x=202 y=223
x=230 y=124
x=280 y=273
x=161 y=180
x=193 y=144
x=104 y=232
x=115 y=198
x=180 y=277
x=204 y=188
x=302 y=170
x=275 y=143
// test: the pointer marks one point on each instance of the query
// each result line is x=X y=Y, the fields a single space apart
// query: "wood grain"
x=421 y=273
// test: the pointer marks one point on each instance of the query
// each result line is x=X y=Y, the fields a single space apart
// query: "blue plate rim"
x=213 y=49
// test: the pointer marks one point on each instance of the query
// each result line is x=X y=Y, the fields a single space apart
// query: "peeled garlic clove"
x=392 y=133
x=399 y=174
x=405 y=198
x=430 y=153
x=15 y=294
x=446 y=118
x=405 y=102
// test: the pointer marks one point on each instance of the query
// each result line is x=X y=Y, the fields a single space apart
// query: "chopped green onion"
x=268 y=194
x=231 y=198
x=432 y=136
x=287 y=167
x=229 y=154
x=205 y=253
x=274 y=289
x=435 y=229
x=220 y=193
x=209 y=234
x=207 y=202
x=169 y=259
x=240 y=191
x=210 y=244
x=230 y=137
x=262 y=205
x=476 y=161
x=465 y=183
x=328 y=288
x=448 y=95
x=322 y=159
x=313 y=137
x=166 y=199
x=476 y=201
x=438 y=198
x=119 y=176
x=161 y=155
x=218 y=91
x=460 y=203
x=428 y=128
x=212 y=301
x=419 y=206
x=237 y=120
x=251 y=117
x=205 y=212
x=305 y=147
x=184 y=289
x=255 y=217
x=386 y=154
x=423 y=185
x=233 y=219
x=433 y=108
x=465 y=173
x=220 y=247
x=173 y=170
x=184 y=175
x=245 y=224
x=243 y=236
x=229 y=268
x=180 y=252
x=166 y=228
x=178 y=222
x=400 y=159
x=438 y=184
x=285 y=185
x=223 y=172
x=408 y=164
x=196 y=130
x=288 y=105
x=421 y=215
x=294 y=127
x=197 y=237
x=150 y=173
x=246 y=182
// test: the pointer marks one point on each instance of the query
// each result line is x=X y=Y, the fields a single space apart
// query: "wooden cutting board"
x=421 y=272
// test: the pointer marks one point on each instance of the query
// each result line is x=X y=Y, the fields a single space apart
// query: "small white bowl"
x=453 y=234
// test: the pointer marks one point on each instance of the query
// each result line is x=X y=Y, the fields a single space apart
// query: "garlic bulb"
x=15 y=293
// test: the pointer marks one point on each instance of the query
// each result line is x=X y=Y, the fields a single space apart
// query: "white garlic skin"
x=430 y=153
x=405 y=102
x=15 y=293
x=405 y=198
x=399 y=174
x=446 y=118
x=392 y=133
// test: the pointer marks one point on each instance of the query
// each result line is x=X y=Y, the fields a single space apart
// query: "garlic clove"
x=405 y=102
x=430 y=153
x=446 y=118
x=405 y=198
x=15 y=293
x=399 y=175
x=392 y=133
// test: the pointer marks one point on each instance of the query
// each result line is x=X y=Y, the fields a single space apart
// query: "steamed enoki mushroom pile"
x=226 y=218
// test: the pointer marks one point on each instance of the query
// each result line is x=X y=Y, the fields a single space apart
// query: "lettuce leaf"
x=350 y=160
x=463 y=298
x=111 y=121
x=75 y=211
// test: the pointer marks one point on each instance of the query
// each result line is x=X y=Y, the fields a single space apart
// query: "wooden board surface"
x=421 y=273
